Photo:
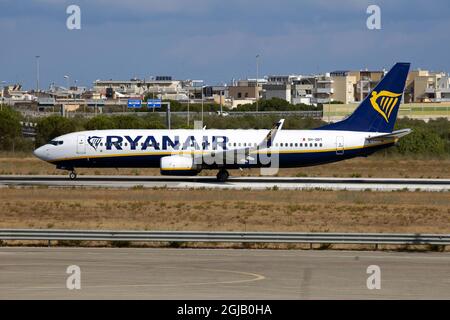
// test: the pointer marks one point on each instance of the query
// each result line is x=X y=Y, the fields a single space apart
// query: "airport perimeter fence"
x=237 y=237
x=316 y=114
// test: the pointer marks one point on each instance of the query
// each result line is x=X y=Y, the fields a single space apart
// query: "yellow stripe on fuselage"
x=185 y=152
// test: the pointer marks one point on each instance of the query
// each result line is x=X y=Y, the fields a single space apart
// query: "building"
x=426 y=86
x=217 y=94
x=15 y=92
x=292 y=88
x=161 y=86
x=280 y=91
x=245 y=91
x=302 y=90
x=343 y=85
x=365 y=81
x=323 y=89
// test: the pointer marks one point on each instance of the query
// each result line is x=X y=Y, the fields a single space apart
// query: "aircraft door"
x=339 y=145
x=81 y=145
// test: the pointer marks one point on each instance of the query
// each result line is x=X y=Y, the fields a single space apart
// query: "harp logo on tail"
x=384 y=102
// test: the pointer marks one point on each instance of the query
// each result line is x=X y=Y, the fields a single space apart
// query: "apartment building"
x=426 y=86
x=366 y=80
x=162 y=86
x=344 y=84
x=293 y=88
x=245 y=91
x=323 y=89
x=281 y=91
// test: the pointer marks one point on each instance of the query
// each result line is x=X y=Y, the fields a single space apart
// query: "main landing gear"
x=222 y=175
x=72 y=175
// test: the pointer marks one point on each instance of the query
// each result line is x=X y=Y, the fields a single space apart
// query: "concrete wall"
x=425 y=111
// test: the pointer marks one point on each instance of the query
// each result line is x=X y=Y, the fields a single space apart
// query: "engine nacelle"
x=179 y=166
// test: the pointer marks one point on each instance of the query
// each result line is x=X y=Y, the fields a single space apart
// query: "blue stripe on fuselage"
x=286 y=160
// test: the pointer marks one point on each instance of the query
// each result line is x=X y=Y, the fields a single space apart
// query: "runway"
x=40 y=273
x=381 y=184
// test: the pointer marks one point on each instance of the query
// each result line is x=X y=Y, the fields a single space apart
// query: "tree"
x=128 y=122
x=276 y=104
x=53 y=126
x=422 y=141
x=100 y=123
x=10 y=128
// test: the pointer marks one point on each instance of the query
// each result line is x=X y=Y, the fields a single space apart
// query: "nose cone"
x=41 y=153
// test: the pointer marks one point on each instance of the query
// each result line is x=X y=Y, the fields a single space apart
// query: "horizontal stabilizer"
x=393 y=135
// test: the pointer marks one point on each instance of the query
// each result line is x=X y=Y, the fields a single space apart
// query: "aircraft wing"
x=242 y=155
x=393 y=135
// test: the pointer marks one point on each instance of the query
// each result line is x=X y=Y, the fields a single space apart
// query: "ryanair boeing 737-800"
x=187 y=152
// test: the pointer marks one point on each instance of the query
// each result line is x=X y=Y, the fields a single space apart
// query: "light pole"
x=68 y=79
x=189 y=98
x=222 y=94
x=3 y=89
x=37 y=74
x=257 y=88
x=202 y=104
x=96 y=88
x=199 y=81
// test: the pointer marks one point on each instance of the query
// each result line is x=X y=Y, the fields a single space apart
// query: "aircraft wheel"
x=222 y=175
x=72 y=175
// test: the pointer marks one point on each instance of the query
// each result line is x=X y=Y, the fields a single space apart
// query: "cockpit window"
x=56 y=142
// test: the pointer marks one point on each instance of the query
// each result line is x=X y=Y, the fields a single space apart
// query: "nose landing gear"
x=72 y=175
x=222 y=175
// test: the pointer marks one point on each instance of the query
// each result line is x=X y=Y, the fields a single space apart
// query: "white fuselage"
x=118 y=148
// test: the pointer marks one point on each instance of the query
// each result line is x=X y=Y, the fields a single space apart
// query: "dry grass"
x=227 y=210
x=359 y=167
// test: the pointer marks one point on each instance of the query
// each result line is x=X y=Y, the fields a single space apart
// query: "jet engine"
x=179 y=166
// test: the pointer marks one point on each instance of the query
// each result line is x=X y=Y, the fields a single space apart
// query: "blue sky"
x=215 y=40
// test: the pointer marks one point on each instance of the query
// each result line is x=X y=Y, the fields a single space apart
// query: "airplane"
x=184 y=152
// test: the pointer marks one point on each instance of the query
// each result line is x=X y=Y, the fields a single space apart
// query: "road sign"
x=154 y=103
x=134 y=103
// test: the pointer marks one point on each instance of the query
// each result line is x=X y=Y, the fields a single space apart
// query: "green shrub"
x=53 y=126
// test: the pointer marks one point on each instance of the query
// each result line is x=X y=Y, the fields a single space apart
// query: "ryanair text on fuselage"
x=165 y=143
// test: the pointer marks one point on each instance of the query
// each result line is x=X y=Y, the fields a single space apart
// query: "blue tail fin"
x=378 y=111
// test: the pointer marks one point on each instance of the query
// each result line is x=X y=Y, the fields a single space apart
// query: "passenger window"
x=296 y=144
x=245 y=144
x=320 y=145
x=315 y=144
x=301 y=144
x=234 y=144
x=310 y=144
x=291 y=145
